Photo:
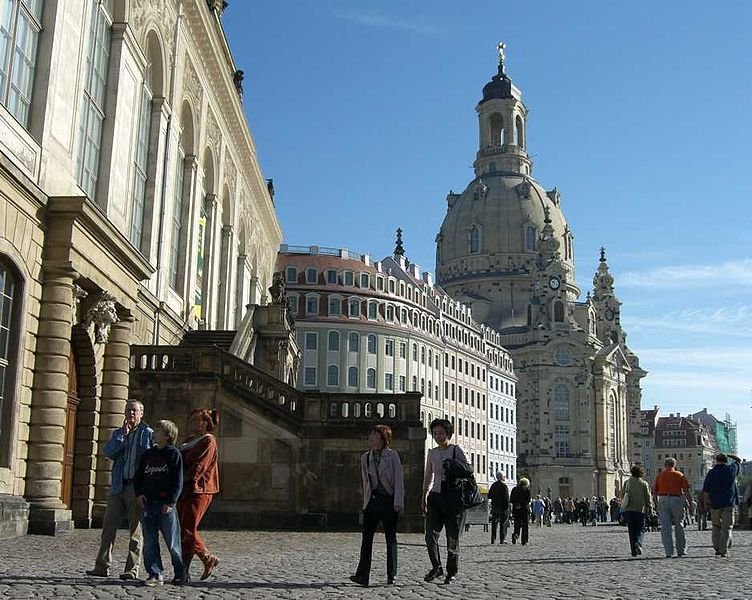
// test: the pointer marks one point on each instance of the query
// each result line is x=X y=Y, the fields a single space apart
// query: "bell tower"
x=501 y=126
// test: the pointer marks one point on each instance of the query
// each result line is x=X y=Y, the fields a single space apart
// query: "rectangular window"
x=312 y=305
x=364 y=280
x=177 y=221
x=291 y=275
x=389 y=347
x=331 y=277
x=333 y=341
x=389 y=381
x=311 y=275
x=311 y=341
x=140 y=168
x=380 y=284
x=92 y=105
x=20 y=25
x=349 y=278
x=402 y=383
x=354 y=308
x=309 y=376
x=372 y=310
x=335 y=307
x=403 y=350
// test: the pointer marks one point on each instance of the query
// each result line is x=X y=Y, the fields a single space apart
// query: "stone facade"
x=506 y=250
x=383 y=327
x=288 y=459
x=132 y=209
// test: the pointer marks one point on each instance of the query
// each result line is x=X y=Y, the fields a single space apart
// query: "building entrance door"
x=69 y=447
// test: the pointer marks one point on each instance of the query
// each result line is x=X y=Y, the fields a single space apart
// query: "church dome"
x=495 y=225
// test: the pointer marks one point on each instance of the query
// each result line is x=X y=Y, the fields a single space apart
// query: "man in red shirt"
x=671 y=490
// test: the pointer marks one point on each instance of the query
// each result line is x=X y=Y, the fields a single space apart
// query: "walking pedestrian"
x=539 y=507
x=383 y=500
x=201 y=483
x=636 y=503
x=125 y=448
x=671 y=489
x=520 y=501
x=498 y=495
x=437 y=504
x=157 y=484
x=721 y=491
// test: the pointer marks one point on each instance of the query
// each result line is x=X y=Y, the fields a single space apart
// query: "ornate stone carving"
x=213 y=134
x=277 y=291
x=231 y=173
x=554 y=196
x=192 y=86
x=79 y=294
x=523 y=189
x=237 y=80
x=103 y=314
x=146 y=13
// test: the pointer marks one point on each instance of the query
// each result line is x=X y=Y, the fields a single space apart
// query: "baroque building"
x=505 y=249
x=132 y=210
x=368 y=327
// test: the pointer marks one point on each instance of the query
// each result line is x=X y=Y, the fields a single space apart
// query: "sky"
x=363 y=113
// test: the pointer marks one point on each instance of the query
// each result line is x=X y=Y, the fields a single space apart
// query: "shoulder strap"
x=454 y=451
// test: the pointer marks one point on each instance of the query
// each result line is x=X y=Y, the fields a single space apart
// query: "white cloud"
x=690 y=276
x=727 y=321
x=381 y=21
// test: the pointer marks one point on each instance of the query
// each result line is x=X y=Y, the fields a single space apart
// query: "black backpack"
x=460 y=485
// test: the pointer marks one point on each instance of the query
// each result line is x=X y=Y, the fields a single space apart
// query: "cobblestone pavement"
x=565 y=561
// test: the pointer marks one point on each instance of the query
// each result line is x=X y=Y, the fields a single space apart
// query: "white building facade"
x=383 y=327
x=502 y=410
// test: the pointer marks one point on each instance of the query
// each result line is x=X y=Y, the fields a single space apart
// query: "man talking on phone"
x=127 y=444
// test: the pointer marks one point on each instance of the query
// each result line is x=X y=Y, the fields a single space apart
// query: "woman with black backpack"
x=439 y=503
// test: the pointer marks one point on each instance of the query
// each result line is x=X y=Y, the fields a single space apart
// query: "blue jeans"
x=671 y=512
x=152 y=522
x=636 y=527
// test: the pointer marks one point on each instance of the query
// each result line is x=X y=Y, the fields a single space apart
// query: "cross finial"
x=603 y=254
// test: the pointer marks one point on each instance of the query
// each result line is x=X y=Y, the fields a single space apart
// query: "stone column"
x=49 y=400
x=225 y=278
x=210 y=262
x=240 y=288
x=115 y=374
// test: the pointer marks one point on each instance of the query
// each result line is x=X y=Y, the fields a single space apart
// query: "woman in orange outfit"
x=200 y=483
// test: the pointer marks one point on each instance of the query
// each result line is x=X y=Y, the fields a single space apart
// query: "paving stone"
x=564 y=561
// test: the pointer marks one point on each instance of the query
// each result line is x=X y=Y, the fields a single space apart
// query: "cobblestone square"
x=564 y=561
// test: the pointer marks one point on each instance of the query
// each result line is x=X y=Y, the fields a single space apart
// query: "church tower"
x=505 y=249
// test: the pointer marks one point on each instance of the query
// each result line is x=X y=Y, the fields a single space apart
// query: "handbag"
x=625 y=496
x=461 y=487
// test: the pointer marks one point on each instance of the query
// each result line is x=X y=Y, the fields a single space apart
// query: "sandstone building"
x=132 y=209
x=505 y=249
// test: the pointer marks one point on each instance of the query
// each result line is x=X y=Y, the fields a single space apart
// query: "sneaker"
x=95 y=572
x=680 y=554
x=449 y=579
x=179 y=580
x=154 y=581
x=514 y=538
x=434 y=573
x=128 y=576
x=638 y=550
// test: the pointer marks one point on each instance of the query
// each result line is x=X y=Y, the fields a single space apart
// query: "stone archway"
x=86 y=427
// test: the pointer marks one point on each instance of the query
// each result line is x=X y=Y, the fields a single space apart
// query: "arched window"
x=561 y=402
x=332 y=376
x=9 y=294
x=530 y=235
x=612 y=427
x=140 y=167
x=559 y=312
x=352 y=376
x=496 y=123
x=334 y=341
x=333 y=409
x=371 y=379
x=519 y=132
x=353 y=342
x=371 y=343
x=177 y=219
x=474 y=239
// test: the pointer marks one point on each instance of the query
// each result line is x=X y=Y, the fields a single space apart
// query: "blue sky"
x=640 y=114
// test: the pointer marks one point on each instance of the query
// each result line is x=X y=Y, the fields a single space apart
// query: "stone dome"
x=494 y=226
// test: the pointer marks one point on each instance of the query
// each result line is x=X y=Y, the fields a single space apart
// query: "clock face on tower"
x=554 y=282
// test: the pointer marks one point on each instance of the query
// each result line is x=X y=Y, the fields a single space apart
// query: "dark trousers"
x=636 y=527
x=380 y=509
x=521 y=525
x=500 y=519
x=440 y=515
